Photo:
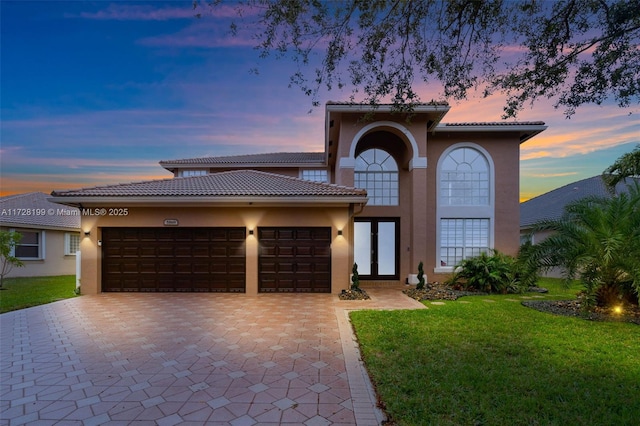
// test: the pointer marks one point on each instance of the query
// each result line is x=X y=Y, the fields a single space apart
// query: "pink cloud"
x=117 y=12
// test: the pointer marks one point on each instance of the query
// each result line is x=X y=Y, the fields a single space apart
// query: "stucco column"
x=251 y=252
x=419 y=235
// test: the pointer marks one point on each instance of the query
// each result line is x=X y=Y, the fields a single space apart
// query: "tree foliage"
x=628 y=165
x=575 y=52
x=598 y=241
x=8 y=241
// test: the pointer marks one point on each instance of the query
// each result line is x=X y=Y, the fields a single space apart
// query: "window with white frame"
x=31 y=245
x=376 y=171
x=464 y=178
x=465 y=204
x=461 y=239
x=71 y=243
x=190 y=173
x=315 y=175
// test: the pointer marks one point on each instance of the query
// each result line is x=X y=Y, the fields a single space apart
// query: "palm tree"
x=628 y=165
x=598 y=241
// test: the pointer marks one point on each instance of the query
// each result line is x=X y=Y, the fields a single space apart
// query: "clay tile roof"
x=239 y=183
x=550 y=206
x=439 y=103
x=496 y=123
x=34 y=210
x=266 y=159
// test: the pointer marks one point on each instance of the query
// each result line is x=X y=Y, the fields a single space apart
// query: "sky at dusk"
x=97 y=93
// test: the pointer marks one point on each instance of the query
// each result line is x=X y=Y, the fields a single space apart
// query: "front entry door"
x=376 y=248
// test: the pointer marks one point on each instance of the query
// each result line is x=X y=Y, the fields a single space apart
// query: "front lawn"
x=20 y=293
x=489 y=360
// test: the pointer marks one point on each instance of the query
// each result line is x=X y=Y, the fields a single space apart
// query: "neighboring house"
x=50 y=234
x=551 y=206
x=387 y=192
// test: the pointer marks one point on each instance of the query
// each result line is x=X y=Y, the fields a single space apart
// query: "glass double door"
x=376 y=248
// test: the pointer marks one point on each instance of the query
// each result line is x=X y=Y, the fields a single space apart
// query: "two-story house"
x=388 y=191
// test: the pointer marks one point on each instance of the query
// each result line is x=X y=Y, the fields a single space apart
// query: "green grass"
x=20 y=293
x=500 y=363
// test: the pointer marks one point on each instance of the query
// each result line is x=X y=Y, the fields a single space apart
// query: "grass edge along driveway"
x=25 y=292
x=490 y=360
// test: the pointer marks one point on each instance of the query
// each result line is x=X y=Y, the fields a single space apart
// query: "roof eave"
x=420 y=108
x=23 y=225
x=200 y=201
x=231 y=165
x=526 y=131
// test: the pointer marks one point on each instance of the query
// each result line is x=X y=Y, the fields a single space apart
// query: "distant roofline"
x=232 y=160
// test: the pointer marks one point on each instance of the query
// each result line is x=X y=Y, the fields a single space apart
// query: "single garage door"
x=173 y=259
x=294 y=259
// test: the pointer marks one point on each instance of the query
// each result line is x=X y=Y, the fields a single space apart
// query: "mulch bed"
x=354 y=294
x=439 y=291
x=572 y=308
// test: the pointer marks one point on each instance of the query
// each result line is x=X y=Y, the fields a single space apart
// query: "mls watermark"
x=65 y=212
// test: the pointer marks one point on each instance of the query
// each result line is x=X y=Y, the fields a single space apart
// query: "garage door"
x=294 y=260
x=173 y=259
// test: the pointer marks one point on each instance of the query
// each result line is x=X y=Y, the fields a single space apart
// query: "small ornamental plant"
x=421 y=280
x=355 y=278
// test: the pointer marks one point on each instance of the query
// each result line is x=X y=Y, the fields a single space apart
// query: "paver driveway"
x=170 y=359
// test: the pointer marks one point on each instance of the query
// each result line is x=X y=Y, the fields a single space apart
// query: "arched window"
x=376 y=171
x=465 y=205
x=464 y=178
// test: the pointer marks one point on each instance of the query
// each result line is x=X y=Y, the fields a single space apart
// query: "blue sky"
x=98 y=92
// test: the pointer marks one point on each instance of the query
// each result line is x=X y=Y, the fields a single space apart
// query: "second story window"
x=195 y=172
x=377 y=172
x=464 y=178
x=315 y=175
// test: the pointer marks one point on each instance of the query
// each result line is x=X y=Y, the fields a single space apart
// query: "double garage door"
x=214 y=259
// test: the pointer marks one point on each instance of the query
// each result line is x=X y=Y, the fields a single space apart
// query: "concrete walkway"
x=189 y=359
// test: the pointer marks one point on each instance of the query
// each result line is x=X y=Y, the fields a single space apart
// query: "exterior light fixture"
x=339 y=232
x=250 y=231
x=87 y=233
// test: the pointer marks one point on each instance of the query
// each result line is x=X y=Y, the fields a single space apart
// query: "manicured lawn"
x=500 y=363
x=20 y=293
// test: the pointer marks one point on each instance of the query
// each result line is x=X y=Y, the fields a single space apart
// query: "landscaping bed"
x=572 y=308
x=354 y=294
x=439 y=291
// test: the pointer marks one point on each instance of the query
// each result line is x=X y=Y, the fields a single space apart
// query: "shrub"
x=355 y=278
x=421 y=280
x=494 y=273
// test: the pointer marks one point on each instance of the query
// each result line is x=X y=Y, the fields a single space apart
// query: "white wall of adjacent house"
x=46 y=253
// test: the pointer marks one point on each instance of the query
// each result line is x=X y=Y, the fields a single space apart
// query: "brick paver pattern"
x=166 y=359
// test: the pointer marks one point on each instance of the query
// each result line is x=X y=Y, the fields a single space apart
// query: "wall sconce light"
x=87 y=233
x=339 y=232
x=250 y=231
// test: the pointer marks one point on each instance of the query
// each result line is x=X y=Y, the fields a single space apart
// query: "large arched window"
x=465 y=204
x=376 y=171
x=464 y=178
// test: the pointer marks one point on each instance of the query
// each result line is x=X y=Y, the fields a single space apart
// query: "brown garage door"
x=173 y=259
x=295 y=260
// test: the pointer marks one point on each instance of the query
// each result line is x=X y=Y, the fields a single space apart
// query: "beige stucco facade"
x=52 y=261
x=249 y=217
